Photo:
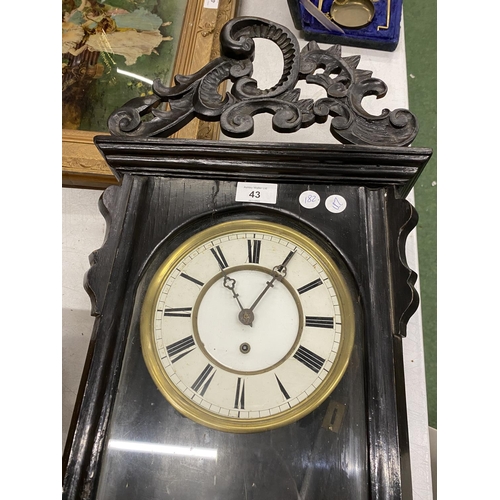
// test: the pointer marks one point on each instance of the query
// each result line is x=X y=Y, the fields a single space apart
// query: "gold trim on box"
x=200 y=415
x=83 y=165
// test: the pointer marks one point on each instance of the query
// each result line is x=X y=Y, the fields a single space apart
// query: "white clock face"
x=247 y=326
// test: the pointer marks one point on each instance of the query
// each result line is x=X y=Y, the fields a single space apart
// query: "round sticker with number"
x=309 y=199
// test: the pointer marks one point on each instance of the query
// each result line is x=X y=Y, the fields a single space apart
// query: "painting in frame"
x=112 y=52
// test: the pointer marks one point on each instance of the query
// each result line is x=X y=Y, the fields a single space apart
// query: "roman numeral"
x=181 y=347
x=282 y=389
x=239 y=399
x=254 y=251
x=203 y=381
x=219 y=257
x=309 y=286
x=319 y=321
x=180 y=312
x=190 y=278
x=309 y=359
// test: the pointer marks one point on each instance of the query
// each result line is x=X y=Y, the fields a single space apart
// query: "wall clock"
x=248 y=326
x=250 y=298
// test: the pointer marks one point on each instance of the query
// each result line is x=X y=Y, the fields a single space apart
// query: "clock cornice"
x=370 y=166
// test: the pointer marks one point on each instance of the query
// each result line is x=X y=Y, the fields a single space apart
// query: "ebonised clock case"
x=170 y=188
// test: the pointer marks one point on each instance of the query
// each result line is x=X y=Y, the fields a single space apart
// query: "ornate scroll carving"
x=197 y=95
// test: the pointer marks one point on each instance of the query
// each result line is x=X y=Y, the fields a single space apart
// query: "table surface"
x=84 y=229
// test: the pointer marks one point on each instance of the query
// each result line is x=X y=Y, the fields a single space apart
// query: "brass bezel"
x=229 y=424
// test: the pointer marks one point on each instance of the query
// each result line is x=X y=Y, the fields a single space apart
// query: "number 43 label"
x=257 y=192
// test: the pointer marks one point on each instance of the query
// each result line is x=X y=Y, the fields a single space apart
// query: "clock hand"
x=279 y=272
x=245 y=315
x=229 y=284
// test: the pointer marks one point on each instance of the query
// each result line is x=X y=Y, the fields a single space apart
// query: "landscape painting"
x=112 y=52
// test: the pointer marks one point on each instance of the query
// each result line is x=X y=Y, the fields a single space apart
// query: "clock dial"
x=247 y=326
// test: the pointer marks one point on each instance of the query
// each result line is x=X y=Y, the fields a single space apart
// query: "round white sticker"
x=309 y=199
x=335 y=203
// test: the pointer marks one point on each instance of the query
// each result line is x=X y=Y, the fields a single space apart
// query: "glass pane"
x=152 y=451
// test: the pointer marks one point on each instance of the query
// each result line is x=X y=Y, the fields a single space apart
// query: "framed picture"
x=112 y=52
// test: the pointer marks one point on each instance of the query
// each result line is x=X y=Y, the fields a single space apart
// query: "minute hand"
x=279 y=272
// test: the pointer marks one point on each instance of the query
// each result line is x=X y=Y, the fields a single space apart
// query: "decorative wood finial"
x=170 y=108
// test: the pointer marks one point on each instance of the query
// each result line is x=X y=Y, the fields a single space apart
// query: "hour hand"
x=245 y=315
x=229 y=283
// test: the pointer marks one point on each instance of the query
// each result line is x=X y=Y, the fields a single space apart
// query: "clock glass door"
x=242 y=375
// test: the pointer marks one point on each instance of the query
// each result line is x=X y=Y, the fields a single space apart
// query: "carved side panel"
x=101 y=260
x=403 y=220
x=389 y=298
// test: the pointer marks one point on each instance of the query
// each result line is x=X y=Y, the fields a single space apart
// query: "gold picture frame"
x=83 y=165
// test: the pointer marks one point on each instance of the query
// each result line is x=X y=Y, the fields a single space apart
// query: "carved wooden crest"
x=196 y=95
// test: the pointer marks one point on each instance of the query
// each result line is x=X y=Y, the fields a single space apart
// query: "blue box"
x=368 y=36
